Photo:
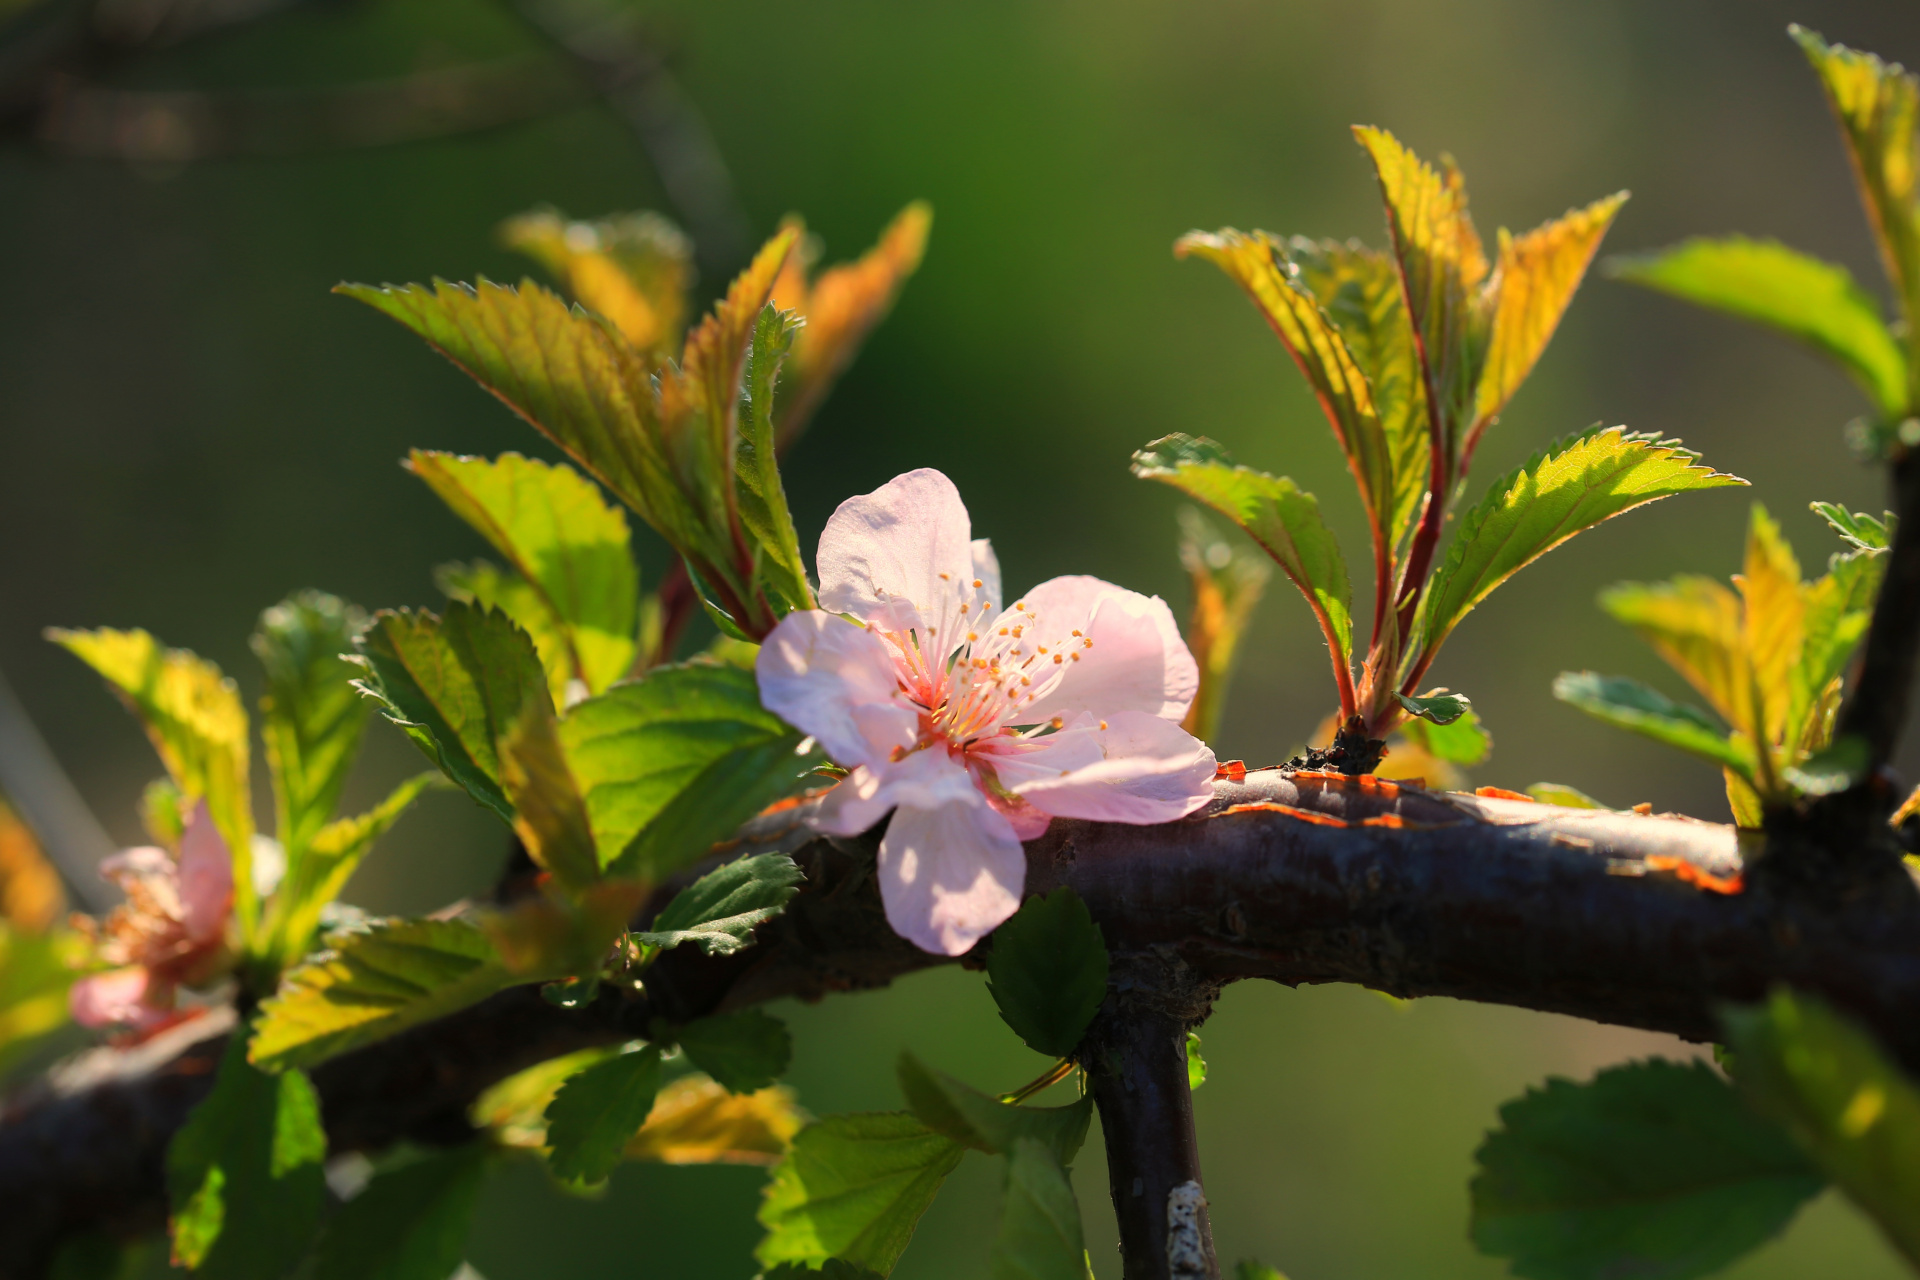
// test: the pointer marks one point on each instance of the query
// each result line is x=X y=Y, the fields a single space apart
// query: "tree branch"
x=1877 y=711
x=1289 y=877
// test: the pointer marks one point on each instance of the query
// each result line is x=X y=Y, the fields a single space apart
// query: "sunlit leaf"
x=1556 y=494
x=1652 y=1169
x=1261 y=267
x=1047 y=971
x=697 y=1121
x=676 y=761
x=779 y=572
x=1694 y=623
x=1228 y=582
x=311 y=718
x=1437 y=706
x=1443 y=266
x=1040 y=1236
x=195 y=720
x=1876 y=104
x=719 y=911
x=1464 y=741
x=568 y=936
x=596 y=1112
x=1743 y=801
x=1274 y=512
x=373 y=984
x=244 y=1173
x=565 y=541
x=1773 y=620
x=1534 y=280
x=635 y=269
x=1843 y=1099
x=974 y=1119
x=1196 y=1065
x=744 y=1051
x=1249 y=1269
x=853 y=1187
x=407 y=1223
x=36 y=970
x=1858 y=529
x=488 y=586
x=1831 y=769
x=841 y=305
x=31 y=896
x=1838 y=609
x=1563 y=795
x=1628 y=704
x=550 y=814
x=1815 y=302
x=455 y=685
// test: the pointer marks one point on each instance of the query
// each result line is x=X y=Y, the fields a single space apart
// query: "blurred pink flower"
x=976 y=726
x=170 y=931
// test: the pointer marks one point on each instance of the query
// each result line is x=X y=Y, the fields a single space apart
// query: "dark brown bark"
x=1882 y=695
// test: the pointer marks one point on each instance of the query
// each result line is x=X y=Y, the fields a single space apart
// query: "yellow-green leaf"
x=1814 y=302
x=1228 y=581
x=565 y=540
x=1533 y=283
x=595 y=1113
x=1556 y=494
x=634 y=268
x=1694 y=623
x=483 y=583
x=1628 y=704
x=36 y=969
x=779 y=572
x=312 y=718
x=549 y=812
x=1773 y=621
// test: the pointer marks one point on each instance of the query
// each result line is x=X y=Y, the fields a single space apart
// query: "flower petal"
x=827 y=677
x=1137 y=661
x=986 y=567
x=924 y=780
x=105 y=999
x=909 y=539
x=1131 y=767
x=206 y=878
x=949 y=875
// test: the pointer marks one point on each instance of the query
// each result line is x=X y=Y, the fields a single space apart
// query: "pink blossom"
x=976 y=725
x=170 y=931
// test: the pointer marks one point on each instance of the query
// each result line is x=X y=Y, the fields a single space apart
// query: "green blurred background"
x=193 y=426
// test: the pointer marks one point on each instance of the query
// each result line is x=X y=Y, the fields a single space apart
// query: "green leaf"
x=550 y=814
x=36 y=971
x=321 y=873
x=244 y=1173
x=483 y=583
x=1563 y=795
x=779 y=570
x=1814 y=302
x=1260 y=266
x=1249 y=1269
x=1654 y=1169
x=1574 y=486
x=831 y=1269
x=1846 y=1103
x=633 y=268
x=407 y=1223
x=719 y=911
x=454 y=685
x=1274 y=512
x=195 y=721
x=1437 y=706
x=1858 y=529
x=745 y=1051
x=1196 y=1065
x=590 y=1120
x=395 y=975
x=1833 y=768
x=1048 y=972
x=973 y=1119
x=1696 y=625
x=1628 y=704
x=1838 y=610
x=1876 y=105
x=1228 y=581
x=672 y=763
x=1464 y=742
x=311 y=718
x=853 y=1187
x=567 y=543
x=1040 y=1236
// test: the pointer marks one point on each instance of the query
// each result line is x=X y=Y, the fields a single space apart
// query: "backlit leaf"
x=547 y=935
x=779 y=571
x=1261 y=267
x=550 y=814
x=195 y=720
x=1274 y=512
x=1858 y=529
x=973 y=1119
x=1437 y=706
x=1563 y=795
x=635 y=269
x=1628 y=704
x=565 y=540
x=1654 y=1169
x=1228 y=582
x=1555 y=495
x=1196 y=1065
x=596 y=1112
x=744 y=1051
x=1464 y=742
x=676 y=761
x=1040 y=1236
x=1815 y=302
x=853 y=1187
x=1694 y=623
x=311 y=718
x=36 y=971
x=244 y=1173
x=841 y=305
x=1838 y=609
x=1773 y=620
x=1831 y=769
x=719 y=911
x=1534 y=280
x=407 y=1223
x=373 y=984
x=454 y=685
x=697 y=1121
x=1249 y=1269
x=1047 y=971
x=488 y=586
x=1846 y=1103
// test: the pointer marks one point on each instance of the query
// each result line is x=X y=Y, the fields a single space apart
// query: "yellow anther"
x=1103 y=724
x=1065 y=772
x=1042 y=649
x=1076 y=632
x=1024 y=680
x=1087 y=643
x=977 y=584
x=945 y=578
x=1057 y=723
x=1017 y=631
x=971 y=637
x=1003 y=631
x=1076 y=658
x=1020 y=604
x=1058 y=658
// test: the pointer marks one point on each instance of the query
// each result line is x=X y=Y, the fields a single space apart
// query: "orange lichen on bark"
x=1501 y=793
x=1231 y=770
x=1694 y=875
x=1305 y=815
